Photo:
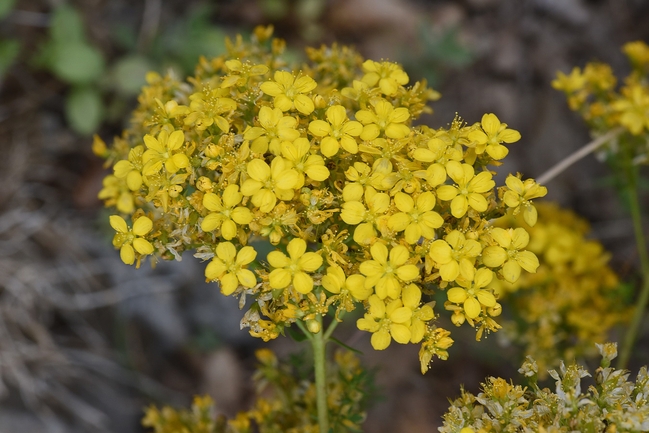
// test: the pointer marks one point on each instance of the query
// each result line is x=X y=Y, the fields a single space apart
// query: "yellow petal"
x=310 y=262
x=472 y=308
x=302 y=282
x=296 y=248
x=279 y=278
x=246 y=255
x=229 y=283
x=520 y=238
x=176 y=139
x=215 y=269
x=511 y=271
x=528 y=261
x=459 y=206
x=399 y=221
x=401 y=315
x=319 y=128
x=486 y=298
x=408 y=273
x=440 y=251
x=304 y=104
x=490 y=124
x=381 y=339
x=399 y=255
x=494 y=256
x=118 y=224
x=400 y=333
x=447 y=192
x=258 y=170
x=379 y=252
x=127 y=254
x=457 y=295
x=246 y=277
x=142 y=246
x=211 y=222
x=228 y=229
x=449 y=271
x=277 y=259
x=226 y=251
x=142 y=226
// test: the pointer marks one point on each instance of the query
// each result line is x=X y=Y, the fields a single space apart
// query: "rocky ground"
x=86 y=342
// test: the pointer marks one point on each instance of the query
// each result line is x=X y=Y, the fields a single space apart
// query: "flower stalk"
x=319 y=359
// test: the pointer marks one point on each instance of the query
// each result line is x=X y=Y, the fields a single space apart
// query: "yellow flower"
x=520 y=194
x=493 y=133
x=638 y=53
x=386 y=273
x=269 y=183
x=389 y=76
x=416 y=219
x=469 y=189
x=293 y=269
x=240 y=73
x=508 y=254
x=289 y=91
x=228 y=267
x=275 y=128
x=633 y=107
x=335 y=282
x=115 y=192
x=337 y=131
x=206 y=108
x=297 y=153
x=160 y=152
x=361 y=175
x=131 y=168
x=455 y=255
x=386 y=322
x=131 y=240
x=224 y=213
x=471 y=295
x=571 y=83
x=385 y=118
x=354 y=212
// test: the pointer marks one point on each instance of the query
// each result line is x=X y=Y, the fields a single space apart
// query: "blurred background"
x=86 y=342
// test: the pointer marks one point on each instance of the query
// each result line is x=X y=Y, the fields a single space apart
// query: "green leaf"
x=84 y=110
x=9 y=50
x=129 y=73
x=77 y=62
x=6 y=6
x=66 y=25
x=296 y=334
x=337 y=341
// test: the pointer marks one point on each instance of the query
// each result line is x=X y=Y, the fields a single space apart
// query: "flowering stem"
x=641 y=304
x=576 y=156
x=319 y=341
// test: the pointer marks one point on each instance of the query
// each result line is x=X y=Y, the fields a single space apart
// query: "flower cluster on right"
x=612 y=404
x=573 y=300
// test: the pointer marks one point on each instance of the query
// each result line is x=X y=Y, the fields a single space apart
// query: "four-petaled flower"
x=386 y=322
x=354 y=212
x=160 y=151
x=293 y=269
x=389 y=76
x=455 y=255
x=493 y=133
x=337 y=131
x=416 y=218
x=386 y=272
x=228 y=267
x=289 y=91
x=224 y=213
x=131 y=240
x=468 y=191
x=508 y=253
x=275 y=127
x=471 y=295
x=297 y=153
x=520 y=194
x=385 y=118
x=335 y=281
x=269 y=183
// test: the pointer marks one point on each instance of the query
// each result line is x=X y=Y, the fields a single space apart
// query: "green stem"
x=641 y=304
x=319 y=343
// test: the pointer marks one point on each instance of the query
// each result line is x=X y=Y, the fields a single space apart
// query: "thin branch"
x=579 y=154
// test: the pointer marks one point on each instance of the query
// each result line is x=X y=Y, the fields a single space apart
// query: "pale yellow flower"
x=468 y=191
x=275 y=128
x=455 y=255
x=228 y=267
x=269 y=183
x=338 y=131
x=417 y=218
x=383 y=119
x=388 y=270
x=290 y=92
x=163 y=151
x=509 y=253
x=293 y=269
x=471 y=295
x=386 y=322
x=492 y=134
x=129 y=241
x=225 y=212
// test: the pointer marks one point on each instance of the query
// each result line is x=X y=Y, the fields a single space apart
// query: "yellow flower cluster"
x=322 y=162
x=574 y=298
x=592 y=91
